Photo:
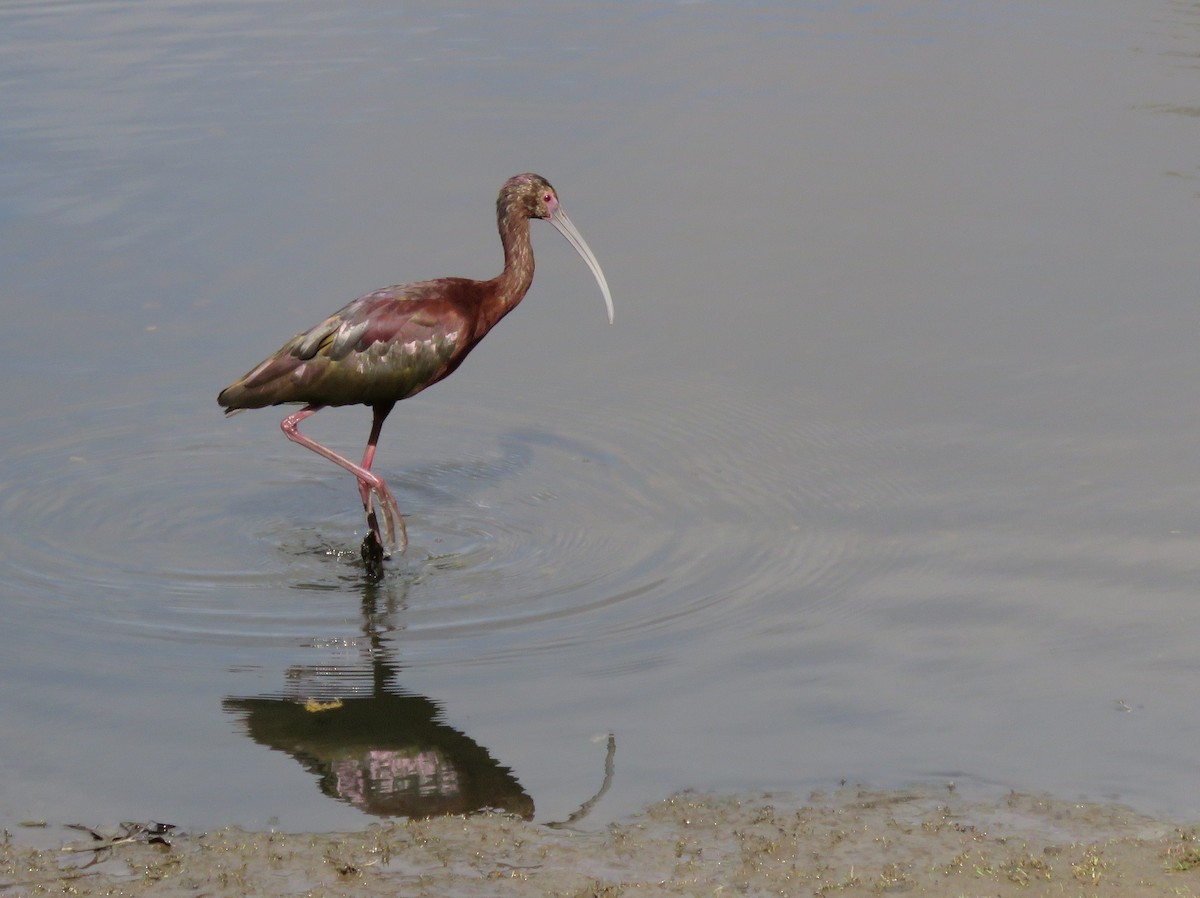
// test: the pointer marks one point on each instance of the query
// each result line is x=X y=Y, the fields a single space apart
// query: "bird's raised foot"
x=395 y=536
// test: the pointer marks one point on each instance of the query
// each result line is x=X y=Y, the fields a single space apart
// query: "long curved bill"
x=563 y=224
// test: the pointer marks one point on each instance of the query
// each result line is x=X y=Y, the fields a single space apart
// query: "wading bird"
x=395 y=342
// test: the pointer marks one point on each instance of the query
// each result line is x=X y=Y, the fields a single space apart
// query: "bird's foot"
x=372 y=553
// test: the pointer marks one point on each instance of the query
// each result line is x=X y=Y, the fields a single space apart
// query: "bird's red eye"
x=548 y=197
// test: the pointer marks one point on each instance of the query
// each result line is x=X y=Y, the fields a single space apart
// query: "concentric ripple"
x=570 y=526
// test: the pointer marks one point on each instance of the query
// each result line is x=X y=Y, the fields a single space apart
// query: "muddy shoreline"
x=850 y=842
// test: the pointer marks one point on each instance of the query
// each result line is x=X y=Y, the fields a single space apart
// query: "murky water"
x=887 y=470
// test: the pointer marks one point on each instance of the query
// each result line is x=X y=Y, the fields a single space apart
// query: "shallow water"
x=885 y=472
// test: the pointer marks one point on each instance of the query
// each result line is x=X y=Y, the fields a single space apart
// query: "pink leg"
x=364 y=488
x=368 y=482
x=387 y=502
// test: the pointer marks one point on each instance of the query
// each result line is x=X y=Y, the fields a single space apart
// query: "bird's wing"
x=384 y=346
x=413 y=312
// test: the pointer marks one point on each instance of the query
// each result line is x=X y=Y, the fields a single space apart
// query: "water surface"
x=886 y=471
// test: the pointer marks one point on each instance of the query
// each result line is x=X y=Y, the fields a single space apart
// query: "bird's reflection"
x=384 y=752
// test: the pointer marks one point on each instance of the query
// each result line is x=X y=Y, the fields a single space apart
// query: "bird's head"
x=531 y=196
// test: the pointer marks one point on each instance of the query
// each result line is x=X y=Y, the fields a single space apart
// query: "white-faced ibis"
x=395 y=342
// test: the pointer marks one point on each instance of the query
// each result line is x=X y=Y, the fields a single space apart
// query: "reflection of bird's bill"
x=567 y=229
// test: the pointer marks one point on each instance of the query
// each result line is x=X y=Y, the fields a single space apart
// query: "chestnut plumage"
x=394 y=342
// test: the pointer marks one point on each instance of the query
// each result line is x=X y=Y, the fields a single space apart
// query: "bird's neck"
x=510 y=287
